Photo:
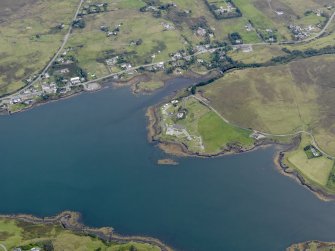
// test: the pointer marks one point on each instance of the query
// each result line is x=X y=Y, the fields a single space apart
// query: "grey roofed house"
x=315 y=152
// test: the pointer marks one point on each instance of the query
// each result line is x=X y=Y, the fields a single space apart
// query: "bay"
x=90 y=154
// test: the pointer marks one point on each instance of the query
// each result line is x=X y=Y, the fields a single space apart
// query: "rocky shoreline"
x=284 y=169
x=312 y=245
x=181 y=150
x=72 y=221
x=130 y=82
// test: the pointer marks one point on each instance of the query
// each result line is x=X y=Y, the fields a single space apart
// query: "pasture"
x=280 y=99
x=14 y=234
x=30 y=37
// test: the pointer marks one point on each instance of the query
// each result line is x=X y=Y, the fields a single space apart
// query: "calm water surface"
x=90 y=154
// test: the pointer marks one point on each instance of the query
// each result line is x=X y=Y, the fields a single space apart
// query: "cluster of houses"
x=156 y=67
x=228 y=8
x=32 y=249
x=113 y=32
x=25 y=97
x=268 y=35
x=204 y=32
x=223 y=9
x=235 y=38
x=176 y=130
x=315 y=152
x=202 y=48
x=299 y=32
x=16 y=100
x=49 y=88
x=167 y=26
x=64 y=60
x=28 y=96
x=246 y=48
x=178 y=55
x=249 y=27
x=156 y=8
x=312 y=152
x=93 y=8
x=112 y=61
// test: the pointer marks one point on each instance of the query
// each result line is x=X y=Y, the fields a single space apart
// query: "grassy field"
x=15 y=234
x=29 y=33
x=149 y=86
x=281 y=99
x=216 y=133
x=200 y=129
x=260 y=54
x=316 y=170
x=29 y=38
x=93 y=46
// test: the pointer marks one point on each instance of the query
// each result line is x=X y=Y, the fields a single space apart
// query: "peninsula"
x=66 y=232
x=263 y=74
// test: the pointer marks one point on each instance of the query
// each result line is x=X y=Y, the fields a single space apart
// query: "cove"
x=90 y=154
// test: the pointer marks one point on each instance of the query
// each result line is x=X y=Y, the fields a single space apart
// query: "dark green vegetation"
x=311 y=152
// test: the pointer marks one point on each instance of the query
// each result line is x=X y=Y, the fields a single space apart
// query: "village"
x=176 y=125
x=66 y=76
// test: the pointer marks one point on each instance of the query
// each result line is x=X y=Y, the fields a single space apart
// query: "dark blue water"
x=90 y=154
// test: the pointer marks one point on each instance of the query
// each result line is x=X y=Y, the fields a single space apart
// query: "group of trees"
x=79 y=23
x=235 y=38
x=302 y=54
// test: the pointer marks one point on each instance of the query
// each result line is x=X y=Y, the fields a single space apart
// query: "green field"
x=200 y=129
x=316 y=170
x=14 y=234
x=216 y=133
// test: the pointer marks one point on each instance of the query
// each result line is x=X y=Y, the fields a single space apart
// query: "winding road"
x=66 y=38
x=47 y=67
x=203 y=101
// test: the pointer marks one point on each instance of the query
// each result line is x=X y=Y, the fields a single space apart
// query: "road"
x=314 y=143
x=46 y=68
x=152 y=64
x=322 y=31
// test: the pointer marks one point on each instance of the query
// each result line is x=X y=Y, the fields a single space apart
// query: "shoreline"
x=72 y=221
x=181 y=150
x=319 y=192
x=131 y=82
x=307 y=244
